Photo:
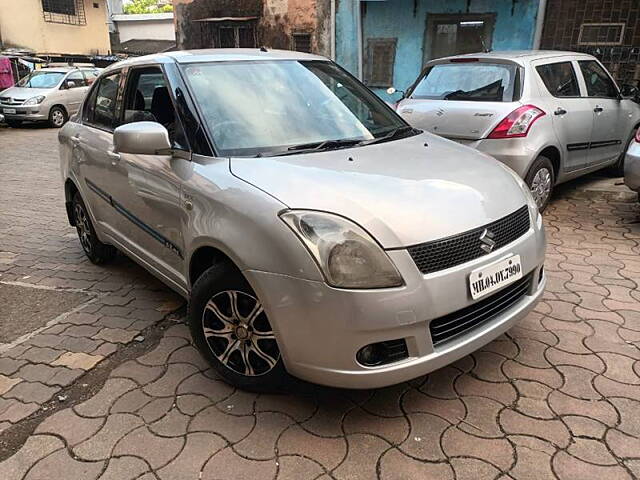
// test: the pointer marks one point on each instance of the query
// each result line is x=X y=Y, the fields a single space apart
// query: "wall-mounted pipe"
x=537 y=36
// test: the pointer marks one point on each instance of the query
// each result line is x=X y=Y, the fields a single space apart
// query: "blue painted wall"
x=514 y=29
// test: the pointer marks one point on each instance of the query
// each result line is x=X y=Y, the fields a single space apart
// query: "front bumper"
x=632 y=167
x=320 y=329
x=33 y=113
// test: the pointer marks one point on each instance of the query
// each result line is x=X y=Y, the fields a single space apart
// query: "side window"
x=75 y=80
x=90 y=76
x=148 y=99
x=560 y=79
x=598 y=82
x=101 y=106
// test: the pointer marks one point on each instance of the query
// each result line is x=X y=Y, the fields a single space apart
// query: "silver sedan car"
x=314 y=232
x=550 y=116
x=50 y=94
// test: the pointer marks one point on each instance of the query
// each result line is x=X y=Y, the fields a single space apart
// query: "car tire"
x=617 y=169
x=541 y=180
x=241 y=347
x=57 y=117
x=96 y=251
x=14 y=123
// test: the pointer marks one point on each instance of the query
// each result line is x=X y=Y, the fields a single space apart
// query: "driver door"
x=147 y=187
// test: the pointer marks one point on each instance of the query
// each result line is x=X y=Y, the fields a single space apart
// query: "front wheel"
x=231 y=329
x=540 y=181
x=57 y=117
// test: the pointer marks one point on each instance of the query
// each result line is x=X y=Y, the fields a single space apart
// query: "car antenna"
x=263 y=49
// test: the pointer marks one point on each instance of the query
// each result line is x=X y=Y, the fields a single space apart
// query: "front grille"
x=12 y=101
x=445 y=328
x=448 y=252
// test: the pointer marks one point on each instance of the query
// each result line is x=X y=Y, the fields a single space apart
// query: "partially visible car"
x=632 y=164
x=551 y=116
x=48 y=94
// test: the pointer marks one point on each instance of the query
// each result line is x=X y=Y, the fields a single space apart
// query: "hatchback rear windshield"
x=40 y=79
x=479 y=81
x=269 y=107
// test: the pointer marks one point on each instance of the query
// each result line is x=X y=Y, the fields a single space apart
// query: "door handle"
x=75 y=141
x=560 y=111
x=114 y=157
x=598 y=109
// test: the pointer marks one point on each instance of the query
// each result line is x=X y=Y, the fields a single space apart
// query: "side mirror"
x=630 y=91
x=69 y=84
x=141 y=138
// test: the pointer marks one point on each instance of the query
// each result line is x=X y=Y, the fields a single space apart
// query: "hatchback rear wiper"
x=390 y=135
x=317 y=146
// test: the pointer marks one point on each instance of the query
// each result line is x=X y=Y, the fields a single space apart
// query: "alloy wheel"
x=239 y=334
x=57 y=118
x=83 y=227
x=541 y=186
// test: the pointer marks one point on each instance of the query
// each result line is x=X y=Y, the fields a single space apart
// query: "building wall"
x=145 y=27
x=22 y=25
x=277 y=20
x=406 y=20
x=563 y=22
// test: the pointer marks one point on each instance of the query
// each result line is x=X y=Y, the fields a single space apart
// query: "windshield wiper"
x=390 y=135
x=317 y=146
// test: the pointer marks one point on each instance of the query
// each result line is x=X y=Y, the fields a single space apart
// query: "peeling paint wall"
x=277 y=21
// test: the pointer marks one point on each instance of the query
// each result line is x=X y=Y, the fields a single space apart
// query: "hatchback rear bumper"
x=632 y=167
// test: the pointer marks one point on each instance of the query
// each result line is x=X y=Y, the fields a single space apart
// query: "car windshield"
x=261 y=108
x=479 y=81
x=40 y=79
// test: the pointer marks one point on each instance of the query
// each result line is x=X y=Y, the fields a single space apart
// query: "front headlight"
x=35 y=100
x=347 y=255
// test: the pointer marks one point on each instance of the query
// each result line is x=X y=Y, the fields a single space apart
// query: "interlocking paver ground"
x=557 y=396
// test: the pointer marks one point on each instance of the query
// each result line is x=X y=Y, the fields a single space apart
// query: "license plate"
x=8 y=110
x=493 y=277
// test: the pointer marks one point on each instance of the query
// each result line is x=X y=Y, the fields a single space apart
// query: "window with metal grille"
x=302 y=42
x=601 y=34
x=381 y=55
x=229 y=34
x=70 y=12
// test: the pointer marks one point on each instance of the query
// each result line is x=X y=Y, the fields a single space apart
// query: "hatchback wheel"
x=541 y=180
x=95 y=250
x=57 y=117
x=232 y=331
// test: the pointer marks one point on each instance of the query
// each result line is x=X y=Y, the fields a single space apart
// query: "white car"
x=550 y=116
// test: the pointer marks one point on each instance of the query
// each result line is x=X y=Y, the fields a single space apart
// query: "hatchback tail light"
x=517 y=123
x=638 y=135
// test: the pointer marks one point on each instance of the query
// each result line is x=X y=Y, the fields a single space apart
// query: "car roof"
x=217 y=55
x=519 y=55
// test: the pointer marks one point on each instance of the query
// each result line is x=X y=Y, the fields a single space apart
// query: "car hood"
x=24 y=93
x=403 y=192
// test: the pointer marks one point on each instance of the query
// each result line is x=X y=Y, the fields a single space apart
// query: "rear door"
x=571 y=113
x=76 y=88
x=463 y=99
x=609 y=123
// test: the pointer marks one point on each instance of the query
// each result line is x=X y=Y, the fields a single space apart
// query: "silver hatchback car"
x=550 y=116
x=314 y=232
x=49 y=94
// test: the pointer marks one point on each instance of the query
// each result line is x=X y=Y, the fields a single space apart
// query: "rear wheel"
x=232 y=331
x=94 y=249
x=57 y=117
x=541 y=179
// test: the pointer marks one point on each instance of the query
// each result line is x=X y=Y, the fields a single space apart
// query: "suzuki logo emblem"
x=488 y=242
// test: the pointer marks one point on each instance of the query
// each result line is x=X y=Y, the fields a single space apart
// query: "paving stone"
x=397 y=466
x=126 y=468
x=115 y=335
x=157 y=451
x=199 y=448
x=100 y=445
x=9 y=366
x=99 y=404
x=7 y=383
x=31 y=392
x=61 y=465
x=79 y=360
x=12 y=410
x=35 y=448
x=72 y=427
x=41 y=355
x=227 y=464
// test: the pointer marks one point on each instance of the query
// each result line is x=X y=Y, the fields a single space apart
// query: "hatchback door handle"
x=114 y=157
x=598 y=109
x=75 y=141
x=560 y=111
